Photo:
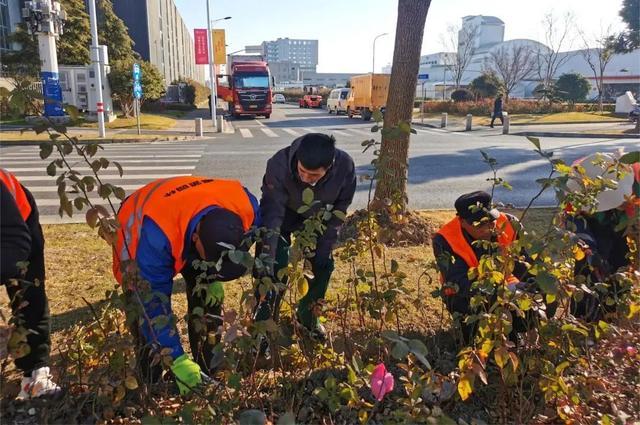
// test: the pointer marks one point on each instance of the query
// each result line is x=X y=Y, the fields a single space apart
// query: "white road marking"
x=269 y=132
x=108 y=178
x=339 y=133
x=291 y=132
x=134 y=168
x=121 y=161
x=35 y=157
x=246 y=133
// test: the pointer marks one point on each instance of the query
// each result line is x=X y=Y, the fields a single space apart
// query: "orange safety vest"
x=452 y=233
x=171 y=203
x=17 y=191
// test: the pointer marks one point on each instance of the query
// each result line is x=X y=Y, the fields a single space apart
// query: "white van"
x=337 y=101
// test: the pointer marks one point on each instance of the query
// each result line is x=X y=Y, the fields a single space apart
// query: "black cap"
x=476 y=206
x=218 y=228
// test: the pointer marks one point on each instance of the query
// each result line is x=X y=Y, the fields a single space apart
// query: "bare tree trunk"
x=394 y=152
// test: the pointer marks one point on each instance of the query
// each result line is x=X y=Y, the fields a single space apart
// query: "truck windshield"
x=251 y=81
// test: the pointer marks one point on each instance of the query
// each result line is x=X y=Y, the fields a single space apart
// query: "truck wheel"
x=267 y=116
x=366 y=114
x=349 y=114
x=235 y=116
x=329 y=110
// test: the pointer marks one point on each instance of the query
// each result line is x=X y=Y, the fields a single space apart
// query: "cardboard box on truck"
x=368 y=92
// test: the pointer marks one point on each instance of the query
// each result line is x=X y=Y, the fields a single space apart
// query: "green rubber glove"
x=215 y=294
x=187 y=374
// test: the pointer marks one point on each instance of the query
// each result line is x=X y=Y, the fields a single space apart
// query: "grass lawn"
x=561 y=117
x=147 y=122
x=16 y=121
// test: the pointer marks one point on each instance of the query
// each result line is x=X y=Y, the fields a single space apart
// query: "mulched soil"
x=410 y=229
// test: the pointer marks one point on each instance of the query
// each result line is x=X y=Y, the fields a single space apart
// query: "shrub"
x=462 y=95
x=486 y=85
x=572 y=87
x=484 y=107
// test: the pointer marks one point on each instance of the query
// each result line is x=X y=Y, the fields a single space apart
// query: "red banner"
x=201 y=46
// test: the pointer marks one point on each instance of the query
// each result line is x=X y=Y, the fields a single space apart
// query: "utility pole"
x=45 y=18
x=212 y=78
x=97 y=69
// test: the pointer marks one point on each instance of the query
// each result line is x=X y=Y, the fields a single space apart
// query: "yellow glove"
x=187 y=374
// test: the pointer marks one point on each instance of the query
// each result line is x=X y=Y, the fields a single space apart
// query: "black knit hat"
x=218 y=228
x=476 y=206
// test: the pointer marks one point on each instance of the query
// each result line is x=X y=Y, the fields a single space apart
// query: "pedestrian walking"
x=497 y=110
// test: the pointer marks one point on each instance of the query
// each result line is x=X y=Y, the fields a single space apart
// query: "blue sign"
x=137 y=74
x=423 y=76
x=137 y=90
x=52 y=94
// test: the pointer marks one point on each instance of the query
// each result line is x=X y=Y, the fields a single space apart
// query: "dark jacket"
x=21 y=241
x=497 y=106
x=282 y=196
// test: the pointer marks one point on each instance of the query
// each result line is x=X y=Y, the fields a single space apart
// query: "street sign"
x=423 y=76
x=137 y=74
x=137 y=90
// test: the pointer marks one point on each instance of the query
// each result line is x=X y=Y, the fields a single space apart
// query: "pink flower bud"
x=381 y=382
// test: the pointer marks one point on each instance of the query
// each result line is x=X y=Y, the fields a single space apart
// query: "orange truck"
x=368 y=93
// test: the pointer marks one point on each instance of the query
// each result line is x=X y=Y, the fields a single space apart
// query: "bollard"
x=199 y=127
x=505 y=122
x=220 y=124
x=443 y=122
x=469 y=120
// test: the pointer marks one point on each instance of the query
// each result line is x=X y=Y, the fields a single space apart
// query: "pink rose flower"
x=381 y=382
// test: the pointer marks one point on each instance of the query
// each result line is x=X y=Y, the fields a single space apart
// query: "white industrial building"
x=621 y=74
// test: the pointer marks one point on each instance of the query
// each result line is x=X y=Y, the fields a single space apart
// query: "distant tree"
x=572 y=87
x=486 y=85
x=598 y=52
x=628 y=40
x=462 y=95
x=394 y=152
x=24 y=62
x=551 y=56
x=113 y=33
x=73 y=44
x=121 y=82
x=460 y=42
x=512 y=64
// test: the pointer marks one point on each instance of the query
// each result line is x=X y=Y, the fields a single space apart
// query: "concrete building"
x=10 y=17
x=289 y=59
x=161 y=37
x=621 y=74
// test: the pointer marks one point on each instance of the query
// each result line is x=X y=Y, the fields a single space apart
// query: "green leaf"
x=394 y=266
x=51 y=169
x=630 y=158
x=104 y=190
x=307 y=196
x=535 y=141
x=46 y=149
x=400 y=350
x=96 y=165
x=104 y=162
x=287 y=419
x=252 y=417
x=119 y=193
x=66 y=206
x=375 y=129
x=236 y=256
x=79 y=202
x=151 y=420
x=72 y=111
x=118 y=166
x=303 y=209
x=547 y=282
x=234 y=381
x=340 y=215
x=405 y=127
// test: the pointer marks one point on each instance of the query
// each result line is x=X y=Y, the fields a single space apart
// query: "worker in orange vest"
x=23 y=243
x=456 y=252
x=164 y=227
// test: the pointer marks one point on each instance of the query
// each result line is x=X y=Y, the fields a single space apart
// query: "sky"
x=346 y=28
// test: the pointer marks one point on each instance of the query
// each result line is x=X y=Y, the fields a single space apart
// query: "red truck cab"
x=251 y=91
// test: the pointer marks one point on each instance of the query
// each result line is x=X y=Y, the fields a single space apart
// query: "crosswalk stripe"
x=291 y=131
x=54 y=188
x=246 y=133
x=269 y=132
x=121 y=161
x=114 y=157
x=134 y=168
x=108 y=178
x=339 y=133
x=362 y=132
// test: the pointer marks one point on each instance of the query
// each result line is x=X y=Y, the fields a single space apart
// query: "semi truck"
x=249 y=90
x=368 y=92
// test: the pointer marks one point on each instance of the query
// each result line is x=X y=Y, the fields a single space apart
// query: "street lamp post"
x=373 y=68
x=212 y=75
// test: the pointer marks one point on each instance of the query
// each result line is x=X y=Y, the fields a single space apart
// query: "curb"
x=577 y=135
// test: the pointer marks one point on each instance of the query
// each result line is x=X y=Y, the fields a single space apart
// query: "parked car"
x=337 y=101
x=311 y=101
x=278 y=98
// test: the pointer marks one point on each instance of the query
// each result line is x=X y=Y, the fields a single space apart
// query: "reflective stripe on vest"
x=17 y=192
x=452 y=233
x=171 y=203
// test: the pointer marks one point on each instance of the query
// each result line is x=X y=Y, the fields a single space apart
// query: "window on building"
x=5 y=26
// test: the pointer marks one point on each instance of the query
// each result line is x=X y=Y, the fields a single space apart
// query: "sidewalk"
x=186 y=124
x=614 y=130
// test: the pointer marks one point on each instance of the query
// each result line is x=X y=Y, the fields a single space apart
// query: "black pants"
x=497 y=115
x=199 y=328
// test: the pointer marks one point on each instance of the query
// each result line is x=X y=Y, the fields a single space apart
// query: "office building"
x=161 y=37
x=289 y=59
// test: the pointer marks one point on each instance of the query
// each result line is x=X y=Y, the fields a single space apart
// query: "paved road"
x=442 y=164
